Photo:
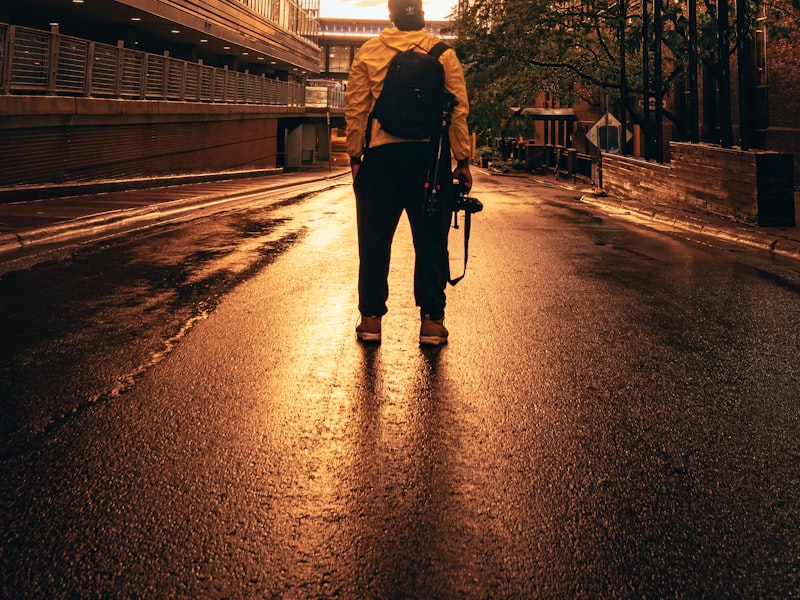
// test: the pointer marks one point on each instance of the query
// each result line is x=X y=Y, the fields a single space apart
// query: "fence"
x=36 y=61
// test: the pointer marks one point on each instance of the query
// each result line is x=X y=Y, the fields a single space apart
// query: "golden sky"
x=435 y=10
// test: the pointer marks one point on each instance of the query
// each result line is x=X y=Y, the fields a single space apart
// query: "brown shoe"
x=369 y=330
x=432 y=332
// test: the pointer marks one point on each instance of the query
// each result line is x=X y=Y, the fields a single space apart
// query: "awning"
x=546 y=114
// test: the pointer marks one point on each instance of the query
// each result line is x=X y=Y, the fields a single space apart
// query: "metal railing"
x=36 y=61
x=293 y=16
x=324 y=96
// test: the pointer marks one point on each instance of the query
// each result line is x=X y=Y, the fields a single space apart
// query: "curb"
x=787 y=248
x=94 y=224
x=775 y=244
x=698 y=223
x=9 y=242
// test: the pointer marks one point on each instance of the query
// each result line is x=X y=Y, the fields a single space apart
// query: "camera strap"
x=467 y=227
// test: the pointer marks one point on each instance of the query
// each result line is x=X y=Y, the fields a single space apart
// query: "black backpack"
x=410 y=104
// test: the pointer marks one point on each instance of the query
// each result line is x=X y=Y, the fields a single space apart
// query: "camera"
x=467 y=204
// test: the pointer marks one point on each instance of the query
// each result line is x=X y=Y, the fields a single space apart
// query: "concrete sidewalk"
x=80 y=210
x=100 y=208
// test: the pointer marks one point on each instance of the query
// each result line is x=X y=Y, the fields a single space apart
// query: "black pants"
x=392 y=179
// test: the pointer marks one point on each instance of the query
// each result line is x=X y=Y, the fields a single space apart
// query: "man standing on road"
x=389 y=176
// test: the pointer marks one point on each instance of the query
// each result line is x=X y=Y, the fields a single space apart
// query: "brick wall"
x=783 y=79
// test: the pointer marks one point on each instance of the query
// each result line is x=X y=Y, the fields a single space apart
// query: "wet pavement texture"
x=615 y=415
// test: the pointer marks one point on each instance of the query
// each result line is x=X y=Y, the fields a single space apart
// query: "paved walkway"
x=102 y=207
x=77 y=211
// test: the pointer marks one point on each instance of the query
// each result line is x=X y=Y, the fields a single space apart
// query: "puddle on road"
x=261 y=241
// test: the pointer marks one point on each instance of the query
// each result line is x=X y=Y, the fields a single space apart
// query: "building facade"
x=112 y=89
x=340 y=39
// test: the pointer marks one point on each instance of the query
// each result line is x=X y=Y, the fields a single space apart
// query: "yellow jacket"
x=365 y=82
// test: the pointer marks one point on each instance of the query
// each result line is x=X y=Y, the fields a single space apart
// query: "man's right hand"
x=463 y=175
x=355 y=165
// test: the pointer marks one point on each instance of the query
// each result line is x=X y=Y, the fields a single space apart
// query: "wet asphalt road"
x=189 y=414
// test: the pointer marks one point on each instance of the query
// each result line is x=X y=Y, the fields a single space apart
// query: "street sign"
x=605 y=134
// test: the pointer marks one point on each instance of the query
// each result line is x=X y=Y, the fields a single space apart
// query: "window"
x=339 y=59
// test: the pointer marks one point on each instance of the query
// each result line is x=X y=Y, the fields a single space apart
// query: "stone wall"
x=754 y=187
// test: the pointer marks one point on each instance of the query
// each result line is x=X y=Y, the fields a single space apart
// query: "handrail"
x=36 y=61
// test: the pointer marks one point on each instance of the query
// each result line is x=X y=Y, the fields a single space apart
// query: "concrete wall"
x=59 y=139
x=752 y=187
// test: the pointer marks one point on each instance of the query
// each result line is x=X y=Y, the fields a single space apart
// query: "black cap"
x=407 y=14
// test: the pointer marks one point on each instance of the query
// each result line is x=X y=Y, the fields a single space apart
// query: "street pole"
x=645 y=81
x=623 y=84
x=330 y=142
x=658 y=79
x=745 y=73
x=694 y=115
x=724 y=57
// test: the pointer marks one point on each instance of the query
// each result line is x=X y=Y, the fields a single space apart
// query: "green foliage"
x=519 y=50
x=507 y=166
x=518 y=165
x=501 y=167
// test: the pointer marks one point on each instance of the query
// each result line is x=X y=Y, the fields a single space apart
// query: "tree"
x=518 y=50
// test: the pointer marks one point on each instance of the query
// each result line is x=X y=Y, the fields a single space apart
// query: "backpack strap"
x=438 y=49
